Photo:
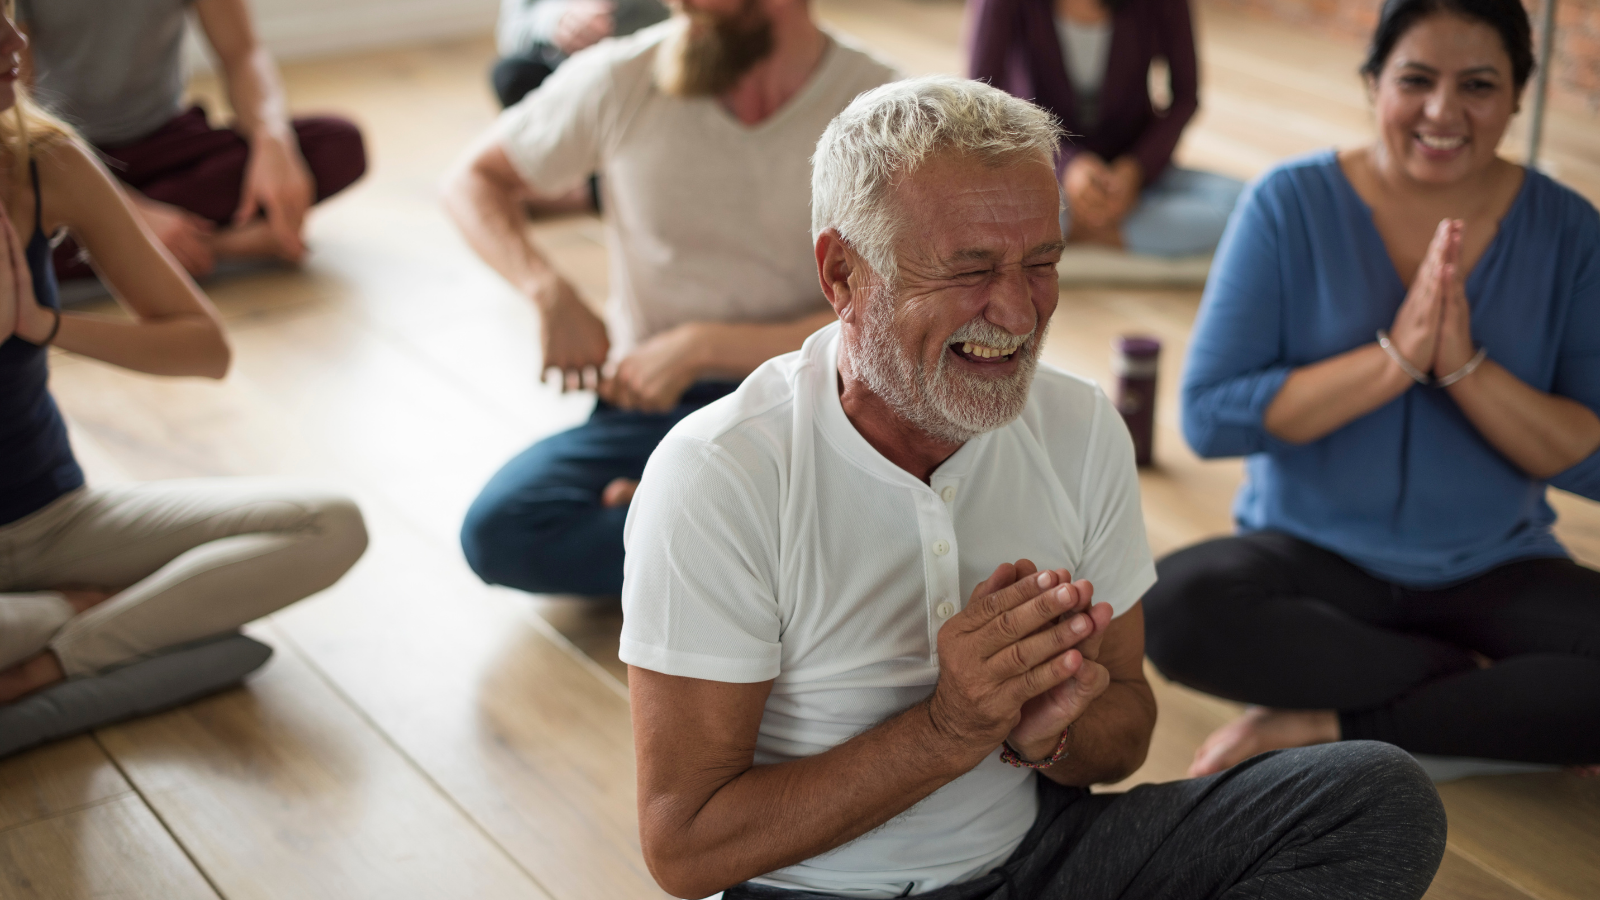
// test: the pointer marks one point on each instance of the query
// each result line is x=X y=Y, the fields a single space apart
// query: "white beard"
x=947 y=403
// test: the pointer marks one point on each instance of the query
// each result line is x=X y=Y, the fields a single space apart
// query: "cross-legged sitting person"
x=700 y=128
x=1403 y=340
x=117 y=600
x=1089 y=63
x=841 y=683
x=115 y=71
x=534 y=37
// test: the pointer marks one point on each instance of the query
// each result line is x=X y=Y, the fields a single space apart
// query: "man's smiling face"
x=952 y=345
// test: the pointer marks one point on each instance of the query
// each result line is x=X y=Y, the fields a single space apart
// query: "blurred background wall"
x=1574 y=78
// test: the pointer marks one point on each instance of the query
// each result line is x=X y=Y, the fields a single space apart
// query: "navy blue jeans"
x=538 y=524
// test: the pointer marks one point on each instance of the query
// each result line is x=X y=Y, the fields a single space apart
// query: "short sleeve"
x=1116 y=553
x=699 y=573
x=553 y=136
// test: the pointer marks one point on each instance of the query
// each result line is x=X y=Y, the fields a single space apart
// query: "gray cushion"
x=151 y=685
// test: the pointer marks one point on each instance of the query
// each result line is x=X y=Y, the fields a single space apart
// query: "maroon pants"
x=192 y=165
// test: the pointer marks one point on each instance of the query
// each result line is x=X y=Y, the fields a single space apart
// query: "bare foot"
x=38 y=671
x=83 y=598
x=1585 y=771
x=1261 y=729
x=255 y=240
x=1105 y=235
x=619 y=492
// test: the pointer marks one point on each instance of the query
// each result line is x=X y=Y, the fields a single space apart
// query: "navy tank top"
x=36 y=461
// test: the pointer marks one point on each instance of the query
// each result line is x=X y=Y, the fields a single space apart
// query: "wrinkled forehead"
x=953 y=207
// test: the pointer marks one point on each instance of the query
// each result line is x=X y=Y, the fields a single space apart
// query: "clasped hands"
x=651 y=378
x=1433 y=329
x=1100 y=195
x=1020 y=663
x=20 y=312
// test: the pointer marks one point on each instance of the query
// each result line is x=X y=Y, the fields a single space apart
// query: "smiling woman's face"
x=1443 y=99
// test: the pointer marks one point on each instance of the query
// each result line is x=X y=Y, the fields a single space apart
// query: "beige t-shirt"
x=707 y=219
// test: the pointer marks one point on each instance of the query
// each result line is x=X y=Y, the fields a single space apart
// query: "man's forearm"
x=490 y=218
x=769 y=817
x=734 y=350
x=257 y=95
x=1111 y=739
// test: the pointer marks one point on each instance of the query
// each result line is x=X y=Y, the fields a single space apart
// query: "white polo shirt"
x=769 y=541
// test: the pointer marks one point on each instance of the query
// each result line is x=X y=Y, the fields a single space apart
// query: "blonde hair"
x=29 y=125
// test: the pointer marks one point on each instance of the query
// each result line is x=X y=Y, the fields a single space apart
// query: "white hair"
x=889 y=131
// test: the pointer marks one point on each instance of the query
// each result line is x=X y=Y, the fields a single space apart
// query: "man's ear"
x=836 y=262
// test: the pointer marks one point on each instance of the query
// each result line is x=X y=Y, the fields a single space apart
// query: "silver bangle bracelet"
x=1472 y=364
x=1417 y=375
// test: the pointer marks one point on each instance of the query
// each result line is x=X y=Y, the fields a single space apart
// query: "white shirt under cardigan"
x=769 y=541
x=707 y=219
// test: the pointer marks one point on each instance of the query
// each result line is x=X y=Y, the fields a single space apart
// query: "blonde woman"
x=93 y=579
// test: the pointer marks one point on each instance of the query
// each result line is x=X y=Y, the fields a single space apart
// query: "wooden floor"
x=421 y=735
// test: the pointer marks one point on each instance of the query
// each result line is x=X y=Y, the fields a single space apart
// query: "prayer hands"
x=278 y=183
x=1433 y=328
x=1018 y=661
x=573 y=338
x=585 y=23
x=185 y=235
x=20 y=312
x=654 y=376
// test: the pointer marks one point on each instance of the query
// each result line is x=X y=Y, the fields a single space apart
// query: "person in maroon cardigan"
x=1088 y=62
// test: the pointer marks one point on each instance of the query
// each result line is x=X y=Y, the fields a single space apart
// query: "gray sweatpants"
x=1356 y=820
x=188 y=558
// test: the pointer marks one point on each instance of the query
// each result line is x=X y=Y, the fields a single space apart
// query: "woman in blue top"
x=1404 y=341
x=95 y=578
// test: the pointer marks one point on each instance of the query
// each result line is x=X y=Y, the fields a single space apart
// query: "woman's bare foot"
x=619 y=492
x=83 y=598
x=38 y=671
x=1105 y=235
x=1261 y=729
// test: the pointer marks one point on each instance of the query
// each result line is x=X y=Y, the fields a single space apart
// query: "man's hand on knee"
x=1017 y=640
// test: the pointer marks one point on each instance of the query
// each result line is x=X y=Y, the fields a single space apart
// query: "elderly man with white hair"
x=842 y=684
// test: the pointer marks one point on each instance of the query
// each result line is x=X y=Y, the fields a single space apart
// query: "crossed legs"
x=136 y=570
x=1503 y=666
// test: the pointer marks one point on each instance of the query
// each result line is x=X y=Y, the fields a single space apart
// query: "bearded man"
x=700 y=129
x=817 y=712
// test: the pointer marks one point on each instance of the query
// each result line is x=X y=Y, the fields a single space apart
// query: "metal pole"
x=1541 y=85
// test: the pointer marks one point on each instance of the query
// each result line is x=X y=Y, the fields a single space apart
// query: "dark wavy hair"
x=1507 y=17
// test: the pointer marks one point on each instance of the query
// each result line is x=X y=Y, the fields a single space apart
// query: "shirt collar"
x=823 y=363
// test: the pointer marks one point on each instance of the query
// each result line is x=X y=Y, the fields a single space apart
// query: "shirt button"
x=948 y=493
x=940 y=548
x=946 y=609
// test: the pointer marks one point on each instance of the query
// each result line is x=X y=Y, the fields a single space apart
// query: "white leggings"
x=188 y=559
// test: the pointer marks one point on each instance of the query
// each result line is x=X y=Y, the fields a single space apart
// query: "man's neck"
x=900 y=442
x=797 y=47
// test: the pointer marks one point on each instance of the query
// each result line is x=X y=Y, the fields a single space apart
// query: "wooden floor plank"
x=282 y=790
x=52 y=780
x=115 y=848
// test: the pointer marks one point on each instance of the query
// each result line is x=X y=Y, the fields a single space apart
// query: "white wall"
x=295 y=29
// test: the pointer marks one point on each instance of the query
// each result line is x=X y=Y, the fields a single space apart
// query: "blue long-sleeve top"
x=1410 y=492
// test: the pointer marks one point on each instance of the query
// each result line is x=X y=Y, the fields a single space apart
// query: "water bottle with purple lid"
x=1135 y=363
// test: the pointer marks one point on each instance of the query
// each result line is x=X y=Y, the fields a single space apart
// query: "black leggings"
x=1502 y=666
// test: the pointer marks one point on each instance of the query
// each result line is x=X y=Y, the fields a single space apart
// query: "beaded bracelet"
x=1010 y=756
